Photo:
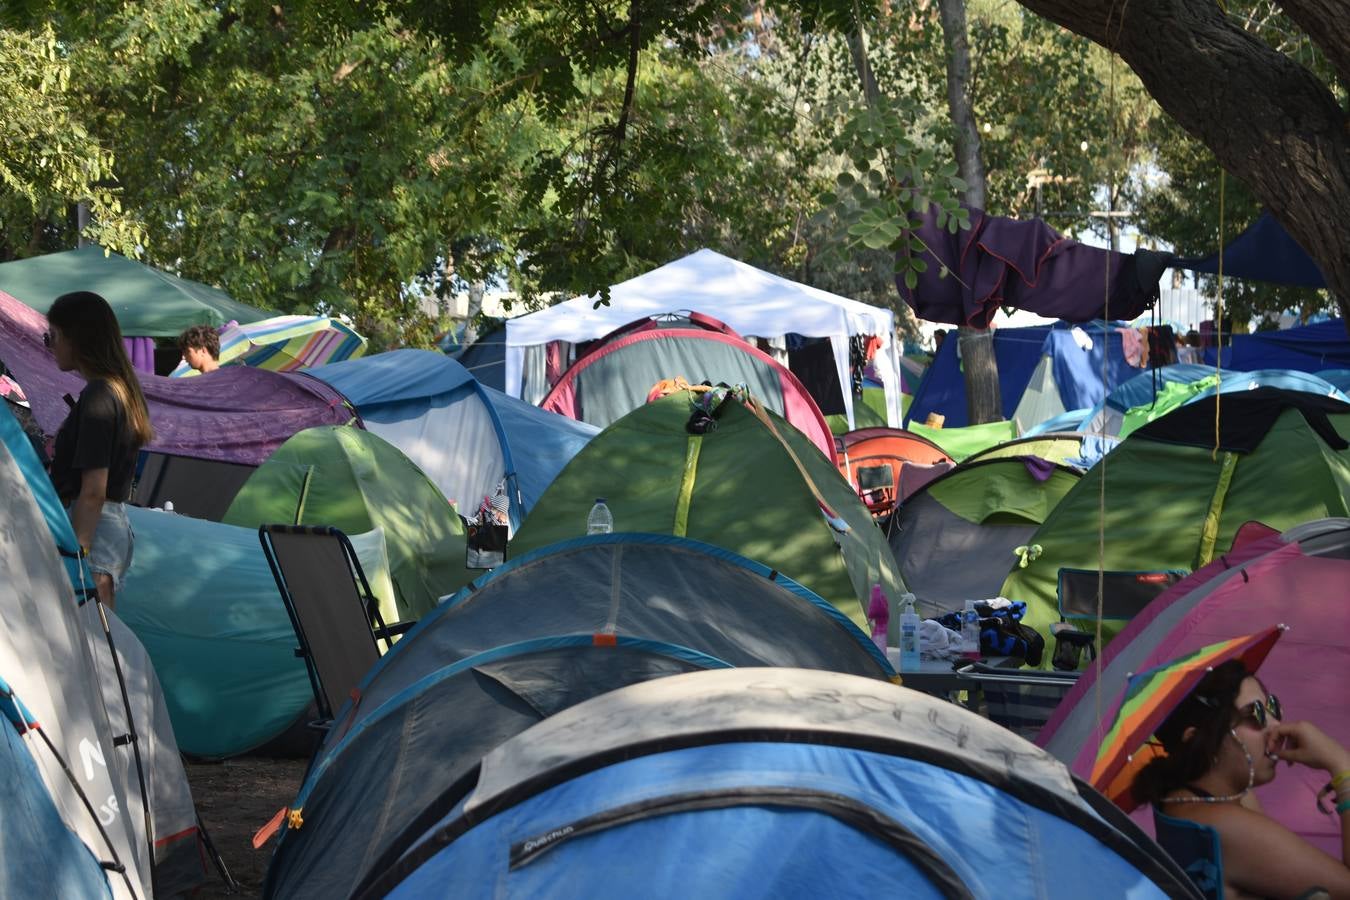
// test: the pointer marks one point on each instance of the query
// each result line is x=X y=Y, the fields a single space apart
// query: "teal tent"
x=149 y=302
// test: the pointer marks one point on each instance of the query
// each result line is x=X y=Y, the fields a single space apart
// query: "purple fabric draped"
x=235 y=414
x=141 y=352
x=1029 y=265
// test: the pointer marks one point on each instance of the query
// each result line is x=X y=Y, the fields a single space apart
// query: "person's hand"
x=1305 y=743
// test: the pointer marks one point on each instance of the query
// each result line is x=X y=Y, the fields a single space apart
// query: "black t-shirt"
x=96 y=435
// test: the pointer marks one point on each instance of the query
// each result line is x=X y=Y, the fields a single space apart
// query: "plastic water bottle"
x=600 y=520
x=168 y=506
x=970 y=631
x=879 y=615
x=909 y=634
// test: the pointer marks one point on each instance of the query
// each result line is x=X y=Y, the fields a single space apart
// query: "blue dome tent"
x=466 y=437
x=659 y=587
x=754 y=783
x=387 y=773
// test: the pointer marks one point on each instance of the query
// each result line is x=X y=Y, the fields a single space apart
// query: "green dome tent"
x=356 y=481
x=1172 y=505
x=149 y=302
x=737 y=486
x=955 y=538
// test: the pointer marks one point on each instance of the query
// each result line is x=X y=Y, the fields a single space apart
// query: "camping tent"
x=872 y=459
x=359 y=800
x=652 y=586
x=1147 y=396
x=954 y=540
x=217 y=631
x=612 y=380
x=466 y=437
x=47 y=663
x=752 y=486
x=1076 y=449
x=148 y=302
x=33 y=837
x=355 y=481
x=1045 y=367
x=1297 y=579
x=1308 y=348
x=485 y=357
x=753 y=783
x=235 y=414
x=750 y=301
x=1170 y=503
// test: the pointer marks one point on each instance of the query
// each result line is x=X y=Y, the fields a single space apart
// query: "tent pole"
x=231 y=886
x=132 y=738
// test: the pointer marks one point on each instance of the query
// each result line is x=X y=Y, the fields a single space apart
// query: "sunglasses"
x=1261 y=712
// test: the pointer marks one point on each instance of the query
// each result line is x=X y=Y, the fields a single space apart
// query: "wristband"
x=1343 y=807
x=1340 y=779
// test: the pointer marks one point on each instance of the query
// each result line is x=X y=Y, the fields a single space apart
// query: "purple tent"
x=235 y=414
x=1298 y=579
x=1029 y=265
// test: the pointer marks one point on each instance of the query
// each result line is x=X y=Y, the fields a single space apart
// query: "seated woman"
x=1224 y=739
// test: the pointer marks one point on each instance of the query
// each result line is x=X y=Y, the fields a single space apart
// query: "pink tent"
x=613 y=380
x=235 y=414
x=1300 y=579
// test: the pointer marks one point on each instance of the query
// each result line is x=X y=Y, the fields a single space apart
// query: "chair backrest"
x=1124 y=594
x=330 y=605
x=1195 y=848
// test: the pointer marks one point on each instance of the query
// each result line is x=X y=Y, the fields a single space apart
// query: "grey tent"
x=664 y=588
x=390 y=772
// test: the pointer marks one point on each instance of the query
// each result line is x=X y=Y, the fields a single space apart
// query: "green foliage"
x=49 y=160
x=887 y=189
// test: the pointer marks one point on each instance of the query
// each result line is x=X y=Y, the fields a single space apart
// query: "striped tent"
x=284 y=343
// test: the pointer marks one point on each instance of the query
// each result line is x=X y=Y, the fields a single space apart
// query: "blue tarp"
x=438 y=414
x=1264 y=252
x=1077 y=373
x=1309 y=348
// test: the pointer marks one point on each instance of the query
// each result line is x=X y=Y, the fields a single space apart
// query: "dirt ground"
x=235 y=798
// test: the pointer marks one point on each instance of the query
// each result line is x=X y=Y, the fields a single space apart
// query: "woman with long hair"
x=1224 y=739
x=94 y=458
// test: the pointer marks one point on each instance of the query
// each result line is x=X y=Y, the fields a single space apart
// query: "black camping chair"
x=335 y=615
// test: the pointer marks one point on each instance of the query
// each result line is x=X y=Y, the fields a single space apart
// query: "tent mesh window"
x=1124 y=594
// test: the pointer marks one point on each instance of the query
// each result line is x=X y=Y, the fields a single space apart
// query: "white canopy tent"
x=749 y=300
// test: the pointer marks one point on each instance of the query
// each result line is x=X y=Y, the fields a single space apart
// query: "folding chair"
x=335 y=616
x=1022 y=703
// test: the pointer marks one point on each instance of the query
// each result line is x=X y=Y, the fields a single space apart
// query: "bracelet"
x=1340 y=779
x=1343 y=807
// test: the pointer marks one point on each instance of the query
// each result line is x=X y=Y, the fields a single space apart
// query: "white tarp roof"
x=749 y=300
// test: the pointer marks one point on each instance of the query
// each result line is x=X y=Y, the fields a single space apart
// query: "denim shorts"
x=113 y=541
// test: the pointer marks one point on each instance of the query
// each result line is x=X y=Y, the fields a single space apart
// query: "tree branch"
x=1327 y=24
x=1268 y=120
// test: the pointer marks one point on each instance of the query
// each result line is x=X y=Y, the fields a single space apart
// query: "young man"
x=201 y=348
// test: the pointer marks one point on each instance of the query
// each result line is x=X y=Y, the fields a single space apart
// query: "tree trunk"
x=984 y=402
x=476 y=289
x=1267 y=119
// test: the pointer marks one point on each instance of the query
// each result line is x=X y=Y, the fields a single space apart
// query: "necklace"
x=1251 y=779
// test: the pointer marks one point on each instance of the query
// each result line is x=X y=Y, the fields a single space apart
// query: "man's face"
x=197 y=357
